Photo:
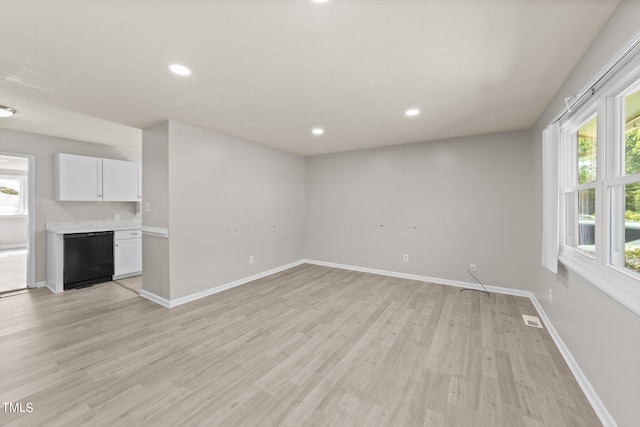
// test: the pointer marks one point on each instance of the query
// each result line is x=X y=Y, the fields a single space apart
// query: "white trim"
x=435 y=280
x=15 y=246
x=148 y=230
x=183 y=300
x=126 y=275
x=53 y=289
x=605 y=417
x=155 y=298
x=614 y=284
x=31 y=209
x=40 y=285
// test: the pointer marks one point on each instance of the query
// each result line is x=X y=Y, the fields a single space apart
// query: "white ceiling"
x=269 y=71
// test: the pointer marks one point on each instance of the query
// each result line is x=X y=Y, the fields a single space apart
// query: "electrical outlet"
x=251 y=259
x=405 y=258
x=147 y=207
x=550 y=295
x=472 y=267
x=116 y=216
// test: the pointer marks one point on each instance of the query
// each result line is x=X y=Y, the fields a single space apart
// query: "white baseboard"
x=155 y=298
x=127 y=275
x=436 y=280
x=16 y=246
x=595 y=401
x=183 y=300
x=40 y=285
x=605 y=417
x=52 y=287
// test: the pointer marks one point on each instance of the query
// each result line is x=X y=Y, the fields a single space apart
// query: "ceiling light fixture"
x=319 y=1
x=317 y=131
x=180 y=70
x=412 y=112
x=6 y=111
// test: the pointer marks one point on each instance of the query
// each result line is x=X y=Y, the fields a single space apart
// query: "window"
x=599 y=179
x=630 y=234
x=13 y=195
x=587 y=141
x=580 y=182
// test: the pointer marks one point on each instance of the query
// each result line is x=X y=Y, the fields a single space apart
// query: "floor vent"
x=532 y=321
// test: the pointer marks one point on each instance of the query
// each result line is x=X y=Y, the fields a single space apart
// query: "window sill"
x=619 y=286
x=13 y=216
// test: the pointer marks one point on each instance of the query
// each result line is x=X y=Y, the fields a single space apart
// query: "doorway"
x=17 y=231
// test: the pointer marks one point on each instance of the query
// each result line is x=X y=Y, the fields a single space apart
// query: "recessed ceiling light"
x=412 y=112
x=6 y=111
x=317 y=131
x=319 y=1
x=180 y=70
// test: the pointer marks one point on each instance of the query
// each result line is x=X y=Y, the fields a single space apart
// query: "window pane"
x=632 y=227
x=10 y=196
x=587 y=220
x=587 y=151
x=632 y=133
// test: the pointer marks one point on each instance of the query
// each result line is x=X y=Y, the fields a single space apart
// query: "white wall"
x=228 y=199
x=47 y=209
x=445 y=203
x=14 y=231
x=602 y=336
x=155 y=192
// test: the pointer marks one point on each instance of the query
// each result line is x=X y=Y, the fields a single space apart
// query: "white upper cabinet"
x=121 y=181
x=78 y=178
x=82 y=178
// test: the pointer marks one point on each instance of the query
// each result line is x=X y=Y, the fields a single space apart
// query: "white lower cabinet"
x=127 y=253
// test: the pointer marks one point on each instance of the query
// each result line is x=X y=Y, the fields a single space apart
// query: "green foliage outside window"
x=632 y=259
x=632 y=193
x=587 y=168
x=632 y=149
x=632 y=160
x=9 y=191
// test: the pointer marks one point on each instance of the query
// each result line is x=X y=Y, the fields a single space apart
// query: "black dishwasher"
x=88 y=258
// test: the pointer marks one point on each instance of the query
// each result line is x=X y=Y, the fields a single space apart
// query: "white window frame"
x=24 y=199
x=604 y=269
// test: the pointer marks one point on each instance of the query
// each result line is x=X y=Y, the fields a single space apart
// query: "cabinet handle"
x=139 y=184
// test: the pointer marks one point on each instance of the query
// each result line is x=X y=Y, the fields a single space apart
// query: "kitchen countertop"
x=89 y=226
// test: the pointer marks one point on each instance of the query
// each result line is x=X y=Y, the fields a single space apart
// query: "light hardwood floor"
x=308 y=346
x=134 y=284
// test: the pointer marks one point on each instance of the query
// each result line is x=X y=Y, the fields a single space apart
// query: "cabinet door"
x=121 y=181
x=77 y=178
x=127 y=256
